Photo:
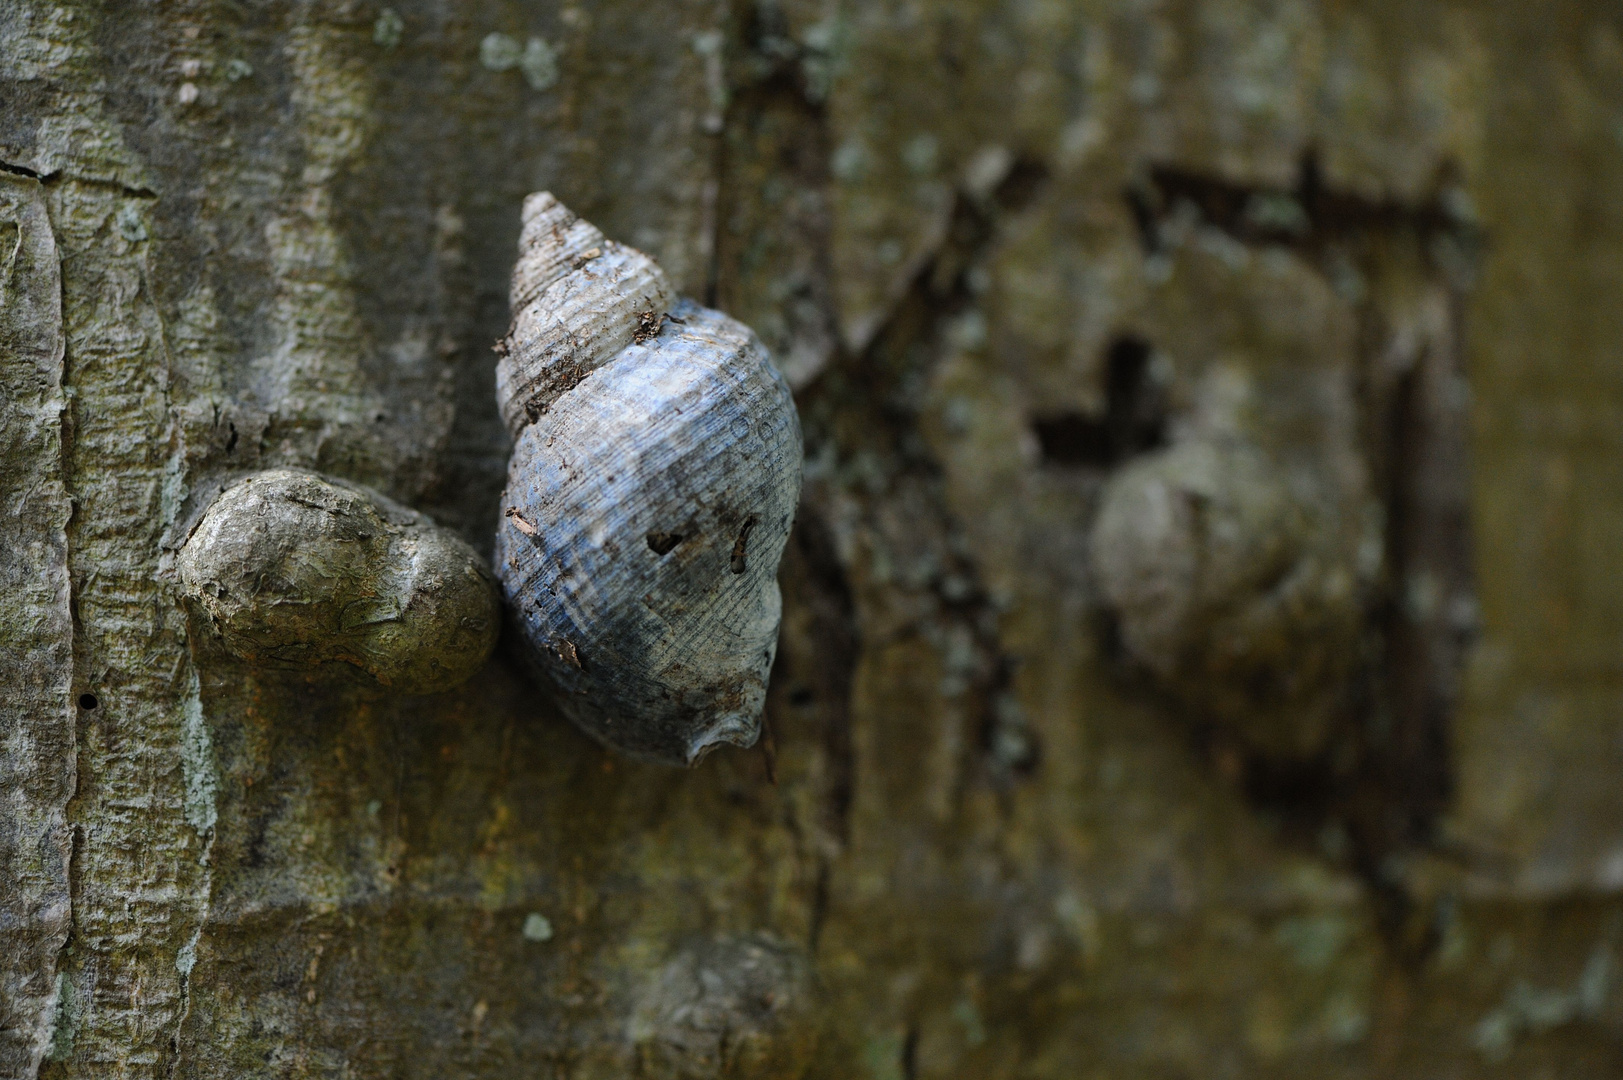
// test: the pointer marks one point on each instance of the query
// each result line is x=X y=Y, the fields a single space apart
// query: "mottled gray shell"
x=1231 y=586
x=578 y=298
x=649 y=497
x=294 y=569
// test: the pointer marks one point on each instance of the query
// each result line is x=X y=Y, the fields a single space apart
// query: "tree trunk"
x=1333 y=792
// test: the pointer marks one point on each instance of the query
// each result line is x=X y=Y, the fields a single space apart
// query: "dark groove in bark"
x=877 y=396
x=1134 y=419
x=837 y=633
x=910 y=1053
x=57 y=176
x=20 y=170
x=837 y=636
x=1256 y=214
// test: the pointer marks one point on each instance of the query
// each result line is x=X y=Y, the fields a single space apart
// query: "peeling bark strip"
x=36 y=631
x=141 y=880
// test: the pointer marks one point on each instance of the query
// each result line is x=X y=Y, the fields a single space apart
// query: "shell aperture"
x=649 y=496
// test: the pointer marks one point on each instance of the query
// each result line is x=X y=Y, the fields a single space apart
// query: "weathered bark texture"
x=1004 y=252
x=36 y=628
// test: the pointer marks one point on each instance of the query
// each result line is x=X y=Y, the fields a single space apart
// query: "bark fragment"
x=36 y=630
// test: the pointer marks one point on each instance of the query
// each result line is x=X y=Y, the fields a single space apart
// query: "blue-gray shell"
x=645 y=514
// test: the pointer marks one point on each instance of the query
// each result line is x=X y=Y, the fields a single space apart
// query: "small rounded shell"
x=293 y=569
x=1231 y=588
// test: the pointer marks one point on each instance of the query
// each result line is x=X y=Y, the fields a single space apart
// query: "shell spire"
x=654 y=479
x=578 y=298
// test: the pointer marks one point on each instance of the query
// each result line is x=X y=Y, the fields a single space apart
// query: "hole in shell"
x=740 y=546
x=663 y=543
x=88 y=702
x=648 y=326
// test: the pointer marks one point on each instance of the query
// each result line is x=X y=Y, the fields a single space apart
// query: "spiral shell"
x=651 y=490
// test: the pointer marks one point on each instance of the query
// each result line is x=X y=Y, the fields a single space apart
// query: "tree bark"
x=1004 y=254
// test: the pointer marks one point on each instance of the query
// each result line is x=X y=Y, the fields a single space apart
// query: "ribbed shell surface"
x=578 y=299
x=646 y=510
